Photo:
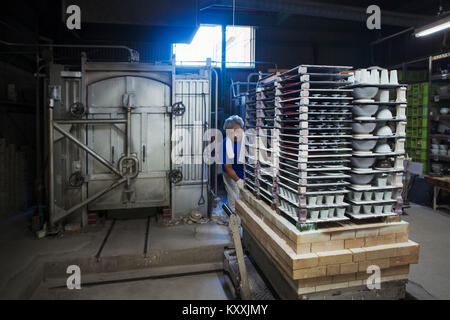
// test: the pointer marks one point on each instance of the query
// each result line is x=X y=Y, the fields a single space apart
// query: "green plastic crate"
x=422 y=144
x=418 y=121
x=420 y=155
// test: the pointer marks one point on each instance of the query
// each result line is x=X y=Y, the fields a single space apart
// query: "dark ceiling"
x=154 y=25
x=175 y=20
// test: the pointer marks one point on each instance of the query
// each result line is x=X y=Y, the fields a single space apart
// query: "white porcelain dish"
x=364 y=110
x=361 y=179
x=383 y=148
x=363 y=127
x=362 y=162
x=364 y=145
x=365 y=92
x=384 y=114
x=384 y=131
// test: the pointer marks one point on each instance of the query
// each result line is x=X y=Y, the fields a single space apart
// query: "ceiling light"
x=436 y=26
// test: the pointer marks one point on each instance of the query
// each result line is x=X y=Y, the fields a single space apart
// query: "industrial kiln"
x=110 y=131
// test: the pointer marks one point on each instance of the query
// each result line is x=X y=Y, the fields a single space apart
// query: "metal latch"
x=54 y=94
x=175 y=176
x=77 y=109
x=177 y=109
x=129 y=100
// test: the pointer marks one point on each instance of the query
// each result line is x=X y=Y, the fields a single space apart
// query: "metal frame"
x=431 y=59
x=57 y=213
x=117 y=174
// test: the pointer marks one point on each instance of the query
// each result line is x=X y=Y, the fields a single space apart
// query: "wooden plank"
x=245 y=289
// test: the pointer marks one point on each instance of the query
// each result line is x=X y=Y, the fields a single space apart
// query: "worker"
x=233 y=158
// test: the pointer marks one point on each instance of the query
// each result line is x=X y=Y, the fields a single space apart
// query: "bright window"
x=207 y=43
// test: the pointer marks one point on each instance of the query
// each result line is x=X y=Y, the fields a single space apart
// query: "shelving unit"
x=418 y=106
x=376 y=191
x=300 y=143
x=438 y=158
x=303 y=157
x=415 y=74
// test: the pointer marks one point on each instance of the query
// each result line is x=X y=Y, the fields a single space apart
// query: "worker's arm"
x=229 y=169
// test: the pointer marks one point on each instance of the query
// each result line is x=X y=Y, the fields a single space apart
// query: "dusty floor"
x=25 y=260
x=207 y=286
x=20 y=252
x=431 y=229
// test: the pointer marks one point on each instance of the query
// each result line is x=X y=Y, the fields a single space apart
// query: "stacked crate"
x=417 y=122
x=302 y=137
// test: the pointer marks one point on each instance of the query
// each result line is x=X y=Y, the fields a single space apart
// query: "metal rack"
x=300 y=142
x=376 y=174
x=438 y=137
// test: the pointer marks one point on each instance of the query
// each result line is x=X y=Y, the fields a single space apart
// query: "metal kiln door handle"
x=143 y=153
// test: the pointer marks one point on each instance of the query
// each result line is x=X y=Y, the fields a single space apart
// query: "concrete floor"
x=431 y=229
x=23 y=256
x=207 y=286
x=181 y=249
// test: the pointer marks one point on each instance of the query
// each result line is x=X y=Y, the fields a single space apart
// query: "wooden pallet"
x=330 y=258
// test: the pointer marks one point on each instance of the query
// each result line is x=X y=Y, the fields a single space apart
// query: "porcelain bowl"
x=361 y=179
x=365 y=92
x=363 y=127
x=362 y=163
x=364 y=110
x=364 y=145
x=384 y=114
x=383 y=148
x=384 y=131
x=436 y=167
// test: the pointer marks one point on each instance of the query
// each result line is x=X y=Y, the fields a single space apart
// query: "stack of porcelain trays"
x=304 y=146
x=260 y=165
x=250 y=142
x=379 y=122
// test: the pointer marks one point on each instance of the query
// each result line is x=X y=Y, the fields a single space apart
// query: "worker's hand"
x=240 y=183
